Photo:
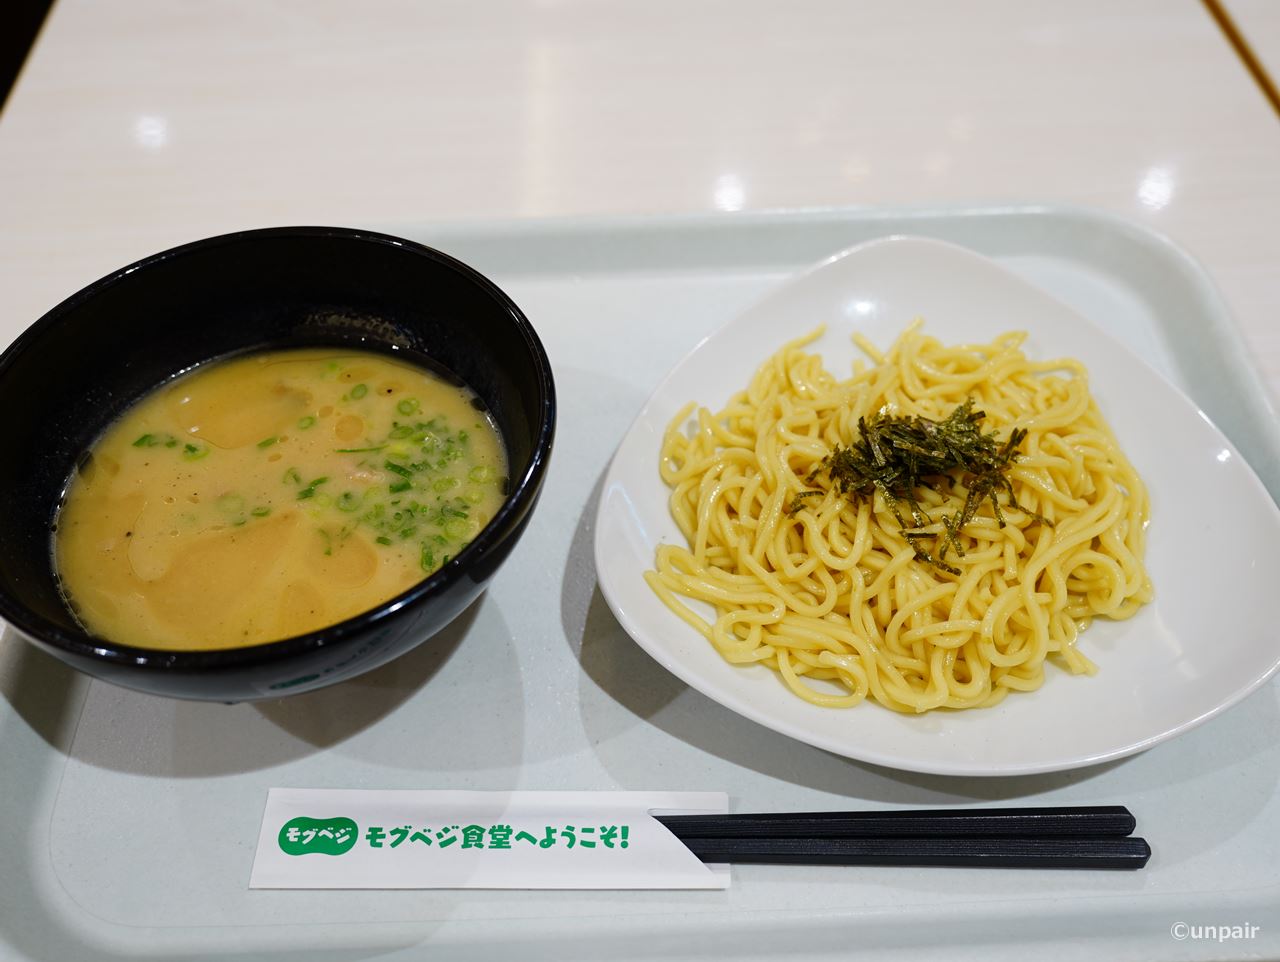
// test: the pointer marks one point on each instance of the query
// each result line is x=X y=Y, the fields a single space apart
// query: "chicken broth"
x=273 y=494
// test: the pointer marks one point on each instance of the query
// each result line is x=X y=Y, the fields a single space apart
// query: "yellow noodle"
x=832 y=596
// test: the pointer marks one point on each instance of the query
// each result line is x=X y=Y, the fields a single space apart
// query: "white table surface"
x=1259 y=23
x=140 y=125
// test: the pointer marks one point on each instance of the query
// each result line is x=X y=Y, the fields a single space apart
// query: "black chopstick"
x=1095 y=820
x=1108 y=852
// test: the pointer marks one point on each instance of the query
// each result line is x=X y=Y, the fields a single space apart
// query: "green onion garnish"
x=307 y=422
x=359 y=391
x=267 y=442
x=310 y=490
x=155 y=440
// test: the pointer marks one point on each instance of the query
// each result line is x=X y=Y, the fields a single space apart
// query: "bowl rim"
x=509 y=516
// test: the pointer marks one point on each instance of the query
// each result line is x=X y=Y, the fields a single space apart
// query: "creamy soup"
x=273 y=494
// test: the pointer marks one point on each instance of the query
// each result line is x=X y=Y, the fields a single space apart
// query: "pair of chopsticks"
x=1091 y=837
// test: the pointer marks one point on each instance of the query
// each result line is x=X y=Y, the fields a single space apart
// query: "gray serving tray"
x=127 y=822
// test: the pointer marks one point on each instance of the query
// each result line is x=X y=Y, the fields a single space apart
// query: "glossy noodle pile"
x=828 y=589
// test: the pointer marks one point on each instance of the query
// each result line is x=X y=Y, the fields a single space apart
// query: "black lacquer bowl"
x=78 y=367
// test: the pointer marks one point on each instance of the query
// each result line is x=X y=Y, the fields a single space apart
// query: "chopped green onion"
x=399 y=469
x=481 y=474
x=358 y=450
x=359 y=391
x=155 y=440
x=428 y=559
x=407 y=406
x=310 y=490
x=400 y=486
x=292 y=476
x=382 y=540
x=261 y=512
x=400 y=431
x=458 y=528
x=307 y=422
x=348 y=501
x=267 y=442
x=194 y=452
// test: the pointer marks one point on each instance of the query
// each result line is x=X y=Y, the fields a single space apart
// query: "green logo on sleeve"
x=318 y=836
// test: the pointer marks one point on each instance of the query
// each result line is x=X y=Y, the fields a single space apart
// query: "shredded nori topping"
x=898 y=455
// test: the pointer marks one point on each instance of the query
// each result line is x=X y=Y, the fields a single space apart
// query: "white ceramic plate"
x=1206 y=642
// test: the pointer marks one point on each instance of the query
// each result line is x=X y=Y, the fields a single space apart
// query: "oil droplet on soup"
x=270 y=495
